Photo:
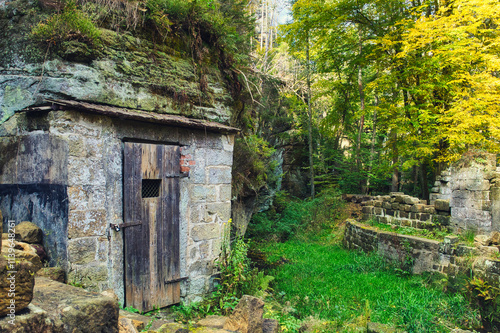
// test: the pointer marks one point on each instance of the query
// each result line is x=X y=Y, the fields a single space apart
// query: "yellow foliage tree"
x=453 y=77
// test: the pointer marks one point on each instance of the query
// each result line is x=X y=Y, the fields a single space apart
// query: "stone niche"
x=62 y=168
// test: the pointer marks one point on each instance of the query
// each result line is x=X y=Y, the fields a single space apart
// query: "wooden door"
x=151 y=225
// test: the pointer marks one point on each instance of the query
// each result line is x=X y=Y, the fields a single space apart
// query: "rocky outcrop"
x=119 y=72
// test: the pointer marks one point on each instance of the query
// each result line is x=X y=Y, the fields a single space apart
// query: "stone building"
x=120 y=151
x=127 y=200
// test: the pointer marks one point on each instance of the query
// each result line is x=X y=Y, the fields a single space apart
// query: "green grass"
x=438 y=233
x=342 y=288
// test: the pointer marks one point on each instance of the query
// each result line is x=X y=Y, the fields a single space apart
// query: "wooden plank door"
x=151 y=225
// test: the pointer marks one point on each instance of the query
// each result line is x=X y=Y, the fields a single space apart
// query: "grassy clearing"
x=343 y=289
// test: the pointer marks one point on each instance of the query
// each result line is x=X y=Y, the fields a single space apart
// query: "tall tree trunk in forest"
x=395 y=170
x=309 y=113
x=372 y=145
x=362 y=181
x=423 y=178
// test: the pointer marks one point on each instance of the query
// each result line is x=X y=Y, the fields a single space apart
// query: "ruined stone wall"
x=447 y=257
x=403 y=210
x=87 y=163
x=472 y=187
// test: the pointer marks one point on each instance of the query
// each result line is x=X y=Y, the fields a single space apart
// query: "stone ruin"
x=465 y=196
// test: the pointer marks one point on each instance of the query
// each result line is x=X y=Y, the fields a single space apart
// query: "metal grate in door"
x=151 y=188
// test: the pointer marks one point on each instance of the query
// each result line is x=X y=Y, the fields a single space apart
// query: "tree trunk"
x=309 y=113
x=362 y=181
x=395 y=170
x=423 y=178
x=372 y=145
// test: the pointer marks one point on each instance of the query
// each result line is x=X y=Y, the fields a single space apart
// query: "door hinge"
x=177 y=280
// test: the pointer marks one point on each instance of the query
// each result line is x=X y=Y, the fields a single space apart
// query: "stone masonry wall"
x=472 y=187
x=403 y=210
x=91 y=167
x=447 y=257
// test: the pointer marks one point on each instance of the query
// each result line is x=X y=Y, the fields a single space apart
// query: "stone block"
x=86 y=223
x=429 y=209
x=205 y=231
x=404 y=214
x=389 y=212
x=203 y=193
x=224 y=193
x=378 y=203
x=75 y=307
x=442 y=205
x=82 y=250
x=31 y=320
x=425 y=217
x=378 y=211
x=417 y=208
x=441 y=220
x=28 y=232
x=406 y=208
x=395 y=206
x=221 y=209
x=219 y=175
x=367 y=209
x=386 y=205
x=411 y=200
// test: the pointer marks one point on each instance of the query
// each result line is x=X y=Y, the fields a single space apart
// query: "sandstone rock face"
x=16 y=289
x=54 y=273
x=75 y=309
x=28 y=232
x=247 y=316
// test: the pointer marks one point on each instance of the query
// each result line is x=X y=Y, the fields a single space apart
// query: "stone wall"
x=86 y=164
x=403 y=210
x=472 y=186
x=447 y=257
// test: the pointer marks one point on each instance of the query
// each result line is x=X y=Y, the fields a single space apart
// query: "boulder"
x=110 y=293
x=247 y=316
x=271 y=326
x=40 y=251
x=16 y=285
x=30 y=320
x=29 y=233
x=54 y=273
x=76 y=309
x=23 y=252
x=125 y=325
x=494 y=238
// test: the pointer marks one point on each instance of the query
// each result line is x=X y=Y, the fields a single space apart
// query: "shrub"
x=70 y=24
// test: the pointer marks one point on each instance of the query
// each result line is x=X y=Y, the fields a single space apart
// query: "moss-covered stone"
x=127 y=68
